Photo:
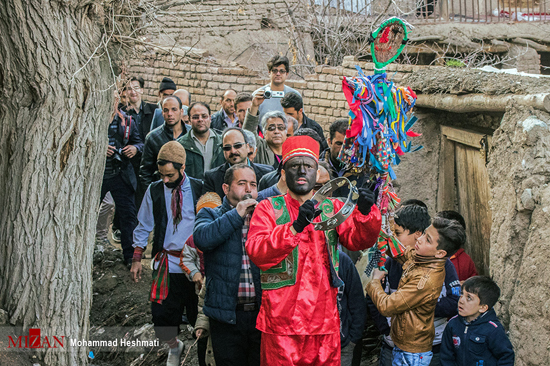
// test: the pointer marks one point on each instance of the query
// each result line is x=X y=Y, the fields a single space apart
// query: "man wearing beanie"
x=168 y=208
x=299 y=317
x=167 y=87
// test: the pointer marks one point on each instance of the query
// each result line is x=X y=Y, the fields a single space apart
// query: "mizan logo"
x=35 y=340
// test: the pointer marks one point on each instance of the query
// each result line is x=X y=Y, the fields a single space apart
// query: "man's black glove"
x=365 y=201
x=306 y=214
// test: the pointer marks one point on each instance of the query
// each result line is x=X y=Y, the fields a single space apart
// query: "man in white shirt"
x=168 y=208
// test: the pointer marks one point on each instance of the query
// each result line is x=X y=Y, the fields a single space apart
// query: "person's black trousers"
x=167 y=316
x=123 y=195
x=236 y=344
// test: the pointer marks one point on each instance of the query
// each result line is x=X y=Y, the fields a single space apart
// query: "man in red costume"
x=298 y=317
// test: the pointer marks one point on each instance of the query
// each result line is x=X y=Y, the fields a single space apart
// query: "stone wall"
x=519 y=173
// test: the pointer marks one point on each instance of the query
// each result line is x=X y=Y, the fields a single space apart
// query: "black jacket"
x=153 y=142
x=112 y=166
x=145 y=117
x=309 y=123
x=340 y=171
x=269 y=179
x=351 y=302
x=213 y=178
x=218 y=121
x=481 y=342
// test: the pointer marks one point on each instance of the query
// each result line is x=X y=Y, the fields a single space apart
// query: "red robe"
x=307 y=308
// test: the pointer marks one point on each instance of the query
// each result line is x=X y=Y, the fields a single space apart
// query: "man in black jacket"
x=235 y=151
x=293 y=105
x=142 y=112
x=226 y=117
x=172 y=128
x=119 y=177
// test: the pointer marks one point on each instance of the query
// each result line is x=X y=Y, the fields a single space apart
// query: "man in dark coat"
x=226 y=116
x=119 y=177
x=233 y=289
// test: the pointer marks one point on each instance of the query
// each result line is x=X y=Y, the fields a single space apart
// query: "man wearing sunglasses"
x=274 y=126
x=235 y=151
x=279 y=68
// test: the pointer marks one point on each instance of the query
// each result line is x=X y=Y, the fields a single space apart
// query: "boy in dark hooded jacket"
x=475 y=336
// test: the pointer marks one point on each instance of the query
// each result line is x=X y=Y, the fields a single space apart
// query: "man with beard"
x=226 y=116
x=168 y=209
x=202 y=144
x=172 y=128
x=235 y=150
x=299 y=317
x=233 y=289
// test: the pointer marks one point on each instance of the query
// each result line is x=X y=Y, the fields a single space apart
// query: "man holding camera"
x=119 y=177
x=273 y=92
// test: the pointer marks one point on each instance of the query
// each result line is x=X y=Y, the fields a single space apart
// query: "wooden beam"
x=532 y=44
x=465 y=137
x=482 y=102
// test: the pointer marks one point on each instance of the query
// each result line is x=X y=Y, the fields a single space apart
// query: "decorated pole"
x=379 y=130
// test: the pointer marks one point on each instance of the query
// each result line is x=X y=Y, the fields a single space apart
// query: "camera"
x=119 y=159
x=268 y=93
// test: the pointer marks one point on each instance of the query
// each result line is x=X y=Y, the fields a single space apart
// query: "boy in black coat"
x=475 y=336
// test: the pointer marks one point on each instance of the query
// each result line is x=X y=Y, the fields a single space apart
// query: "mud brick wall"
x=218 y=17
x=322 y=91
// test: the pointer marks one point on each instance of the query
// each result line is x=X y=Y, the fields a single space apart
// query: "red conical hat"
x=300 y=146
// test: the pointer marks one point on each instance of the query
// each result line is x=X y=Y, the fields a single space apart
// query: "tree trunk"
x=53 y=137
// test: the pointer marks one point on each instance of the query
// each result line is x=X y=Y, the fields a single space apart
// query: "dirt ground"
x=121 y=309
x=448 y=80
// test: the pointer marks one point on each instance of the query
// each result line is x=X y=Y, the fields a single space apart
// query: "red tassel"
x=384 y=38
x=413 y=134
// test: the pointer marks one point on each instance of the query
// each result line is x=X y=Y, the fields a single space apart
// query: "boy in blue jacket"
x=475 y=336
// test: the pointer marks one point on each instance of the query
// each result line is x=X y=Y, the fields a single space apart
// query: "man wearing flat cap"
x=169 y=208
x=298 y=317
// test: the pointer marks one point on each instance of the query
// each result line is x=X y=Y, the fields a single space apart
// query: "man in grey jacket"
x=279 y=68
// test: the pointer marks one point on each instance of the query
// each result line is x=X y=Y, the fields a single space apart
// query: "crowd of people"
x=224 y=200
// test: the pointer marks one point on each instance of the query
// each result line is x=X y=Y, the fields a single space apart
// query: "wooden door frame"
x=450 y=136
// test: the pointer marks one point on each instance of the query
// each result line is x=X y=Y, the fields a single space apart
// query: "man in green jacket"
x=202 y=145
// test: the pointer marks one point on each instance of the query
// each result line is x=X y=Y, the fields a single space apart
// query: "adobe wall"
x=519 y=173
x=249 y=32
